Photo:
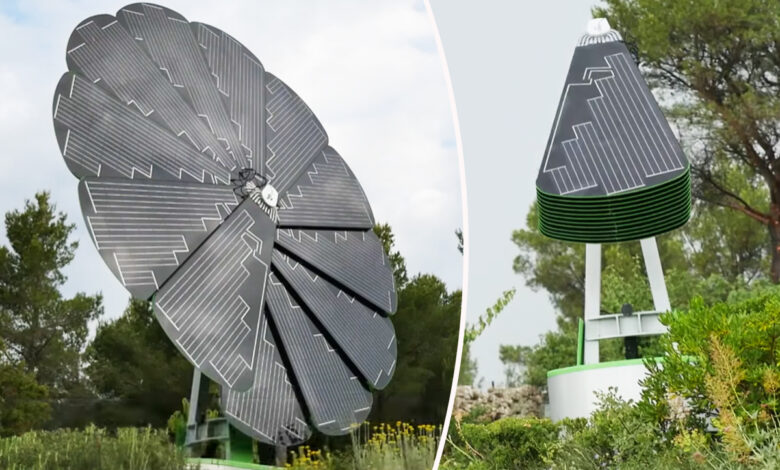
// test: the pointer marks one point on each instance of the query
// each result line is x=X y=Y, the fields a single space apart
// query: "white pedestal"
x=572 y=390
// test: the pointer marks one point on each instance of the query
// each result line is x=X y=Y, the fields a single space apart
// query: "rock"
x=497 y=403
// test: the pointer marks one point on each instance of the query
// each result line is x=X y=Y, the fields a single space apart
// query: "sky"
x=508 y=63
x=370 y=71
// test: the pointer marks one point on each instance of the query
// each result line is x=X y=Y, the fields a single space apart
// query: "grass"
x=381 y=447
x=91 y=449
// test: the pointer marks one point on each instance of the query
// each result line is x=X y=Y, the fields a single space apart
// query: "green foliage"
x=397 y=262
x=514 y=359
x=715 y=63
x=556 y=349
x=426 y=362
x=401 y=446
x=133 y=363
x=420 y=389
x=468 y=365
x=748 y=330
x=42 y=331
x=24 y=403
x=91 y=449
x=509 y=443
x=721 y=369
x=177 y=422
x=615 y=436
x=483 y=321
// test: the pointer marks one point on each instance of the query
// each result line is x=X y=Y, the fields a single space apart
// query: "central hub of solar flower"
x=261 y=194
x=251 y=184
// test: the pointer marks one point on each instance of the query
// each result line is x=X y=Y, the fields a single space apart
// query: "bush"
x=714 y=402
x=509 y=443
x=24 y=404
x=402 y=446
x=618 y=436
x=720 y=368
x=91 y=449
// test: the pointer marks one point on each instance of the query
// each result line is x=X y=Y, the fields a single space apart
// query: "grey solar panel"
x=199 y=169
x=354 y=260
x=609 y=135
x=327 y=195
x=99 y=136
x=145 y=229
x=366 y=337
x=269 y=410
x=241 y=79
x=101 y=50
x=295 y=136
x=211 y=306
x=612 y=170
x=168 y=39
x=333 y=394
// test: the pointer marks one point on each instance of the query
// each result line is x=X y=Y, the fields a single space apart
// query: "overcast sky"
x=370 y=71
x=508 y=62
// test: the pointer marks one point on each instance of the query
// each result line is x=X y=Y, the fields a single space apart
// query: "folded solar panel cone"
x=612 y=169
x=209 y=187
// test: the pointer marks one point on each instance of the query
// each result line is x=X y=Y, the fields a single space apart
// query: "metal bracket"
x=620 y=326
x=597 y=326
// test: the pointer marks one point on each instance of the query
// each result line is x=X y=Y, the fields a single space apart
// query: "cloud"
x=369 y=70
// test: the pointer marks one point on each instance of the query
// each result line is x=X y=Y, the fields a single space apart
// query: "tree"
x=397 y=262
x=43 y=332
x=132 y=363
x=24 y=403
x=427 y=325
x=514 y=359
x=468 y=366
x=720 y=61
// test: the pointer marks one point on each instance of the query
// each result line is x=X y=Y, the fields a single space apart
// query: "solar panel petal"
x=144 y=230
x=168 y=39
x=327 y=195
x=211 y=305
x=334 y=396
x=353 y=260
x=363 y=335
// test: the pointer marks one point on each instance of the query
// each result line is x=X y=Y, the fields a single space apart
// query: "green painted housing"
x=631 y=215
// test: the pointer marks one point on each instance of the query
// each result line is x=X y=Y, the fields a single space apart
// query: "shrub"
x=24 y=403
x=509 y=443
x=401 y=446
x=722 y=362
x=618 y=436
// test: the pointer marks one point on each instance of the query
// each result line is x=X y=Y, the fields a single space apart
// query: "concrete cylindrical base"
x=572 y=390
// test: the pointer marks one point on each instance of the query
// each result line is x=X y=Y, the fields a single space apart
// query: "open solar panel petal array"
x=613 y=170
x=285 y=303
